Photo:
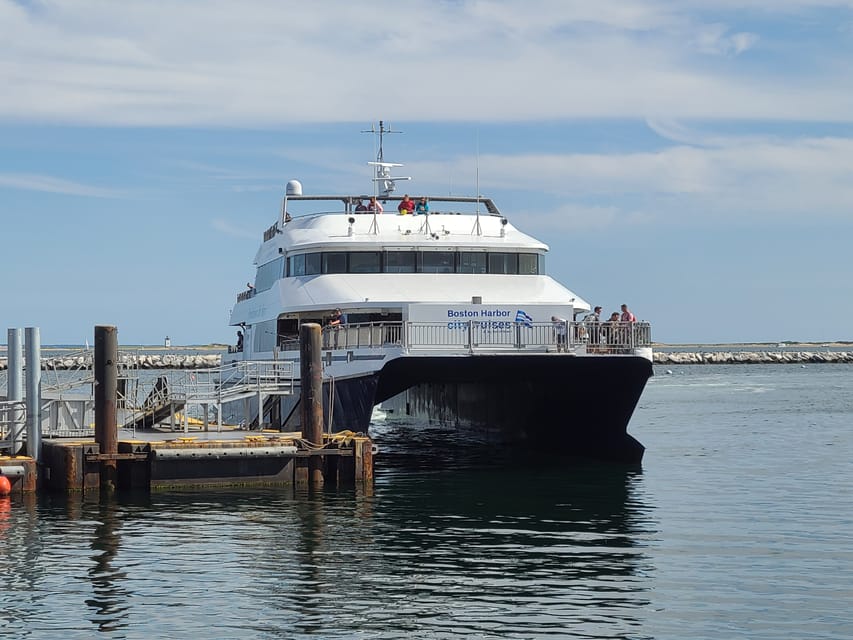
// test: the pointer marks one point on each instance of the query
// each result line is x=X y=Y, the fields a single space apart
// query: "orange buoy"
x=5 y=486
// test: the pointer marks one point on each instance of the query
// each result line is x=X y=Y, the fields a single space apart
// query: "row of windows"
x=307 y=264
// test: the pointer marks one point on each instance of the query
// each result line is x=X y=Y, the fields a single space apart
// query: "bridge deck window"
x=318 y=262
x=437 y=261
x=335 y=262
x=400 y=261
x=503 y=263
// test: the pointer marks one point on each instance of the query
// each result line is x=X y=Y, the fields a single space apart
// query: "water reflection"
x=449 y=542
x=110 y=598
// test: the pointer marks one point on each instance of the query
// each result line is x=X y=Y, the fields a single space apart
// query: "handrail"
x=486 y=335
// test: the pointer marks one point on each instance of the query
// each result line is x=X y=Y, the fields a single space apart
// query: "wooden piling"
x=311 y=378
x=106 y=387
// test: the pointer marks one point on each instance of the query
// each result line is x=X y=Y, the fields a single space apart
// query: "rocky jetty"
x=132 y=361
x=209 y=361
x=752 y=357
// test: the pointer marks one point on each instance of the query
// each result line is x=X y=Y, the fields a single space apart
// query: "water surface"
x=737 y=525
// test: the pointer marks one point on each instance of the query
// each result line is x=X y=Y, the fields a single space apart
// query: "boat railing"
x=363 y=335
x=487 y=335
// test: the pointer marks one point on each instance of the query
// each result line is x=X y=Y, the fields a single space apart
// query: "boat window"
x=335 y=262
x=472 y=262
x=296 y=265
x=400 y=261
x=437 y=261
x=503 y=263
x=268 y=273
x=312 y=263
x=307 y=264
x=365 y=262
x=528 y=264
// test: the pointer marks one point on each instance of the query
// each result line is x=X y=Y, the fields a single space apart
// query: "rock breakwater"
x=752 y=357
x=209 y=361
x=132 y=361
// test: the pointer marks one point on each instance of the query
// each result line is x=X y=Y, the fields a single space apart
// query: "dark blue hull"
x=577 y=405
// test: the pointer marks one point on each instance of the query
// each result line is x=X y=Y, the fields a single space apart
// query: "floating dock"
x=152 y=447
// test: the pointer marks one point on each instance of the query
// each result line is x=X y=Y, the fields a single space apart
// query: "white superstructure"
x=459 y=287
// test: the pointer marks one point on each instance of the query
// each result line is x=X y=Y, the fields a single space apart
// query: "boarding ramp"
x=184 y=397
x=150 y=398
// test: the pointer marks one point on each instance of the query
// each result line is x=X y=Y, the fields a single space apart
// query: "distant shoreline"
x=764 y=346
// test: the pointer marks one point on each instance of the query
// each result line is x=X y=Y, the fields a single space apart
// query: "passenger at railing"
x=250 y=289
x=239 y=341
x=627 y=316
x=337 y=318
x=374 y=206
x=406 y=205
x=592 y=320
x=610 y=330
x=361 y=207
x=422 y=207
x=560 y=332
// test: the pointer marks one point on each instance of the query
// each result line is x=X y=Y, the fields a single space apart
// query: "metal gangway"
x=191 y=394
x=154 y=397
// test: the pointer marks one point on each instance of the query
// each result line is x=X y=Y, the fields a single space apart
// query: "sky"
x=692 y=159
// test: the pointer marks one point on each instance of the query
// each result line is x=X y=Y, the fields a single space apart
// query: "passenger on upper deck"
x=627 y=316
x=406 y=205
x=374 y=206
x=422 y=207
x=360 y=207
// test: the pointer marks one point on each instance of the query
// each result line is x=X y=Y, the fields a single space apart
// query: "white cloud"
x=223 y=226
x=258 y=63
x=735 y=180
x=49 y=184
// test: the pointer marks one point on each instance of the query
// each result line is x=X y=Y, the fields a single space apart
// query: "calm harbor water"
x=738 y=525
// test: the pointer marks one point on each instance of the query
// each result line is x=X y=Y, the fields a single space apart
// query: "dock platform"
x=152 y=461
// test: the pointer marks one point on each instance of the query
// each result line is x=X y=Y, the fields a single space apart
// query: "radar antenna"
x=383 y=182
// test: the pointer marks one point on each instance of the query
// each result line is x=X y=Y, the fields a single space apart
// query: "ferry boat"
x=445 y=314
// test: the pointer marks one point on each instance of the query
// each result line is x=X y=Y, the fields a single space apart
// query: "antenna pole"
x=477 y=228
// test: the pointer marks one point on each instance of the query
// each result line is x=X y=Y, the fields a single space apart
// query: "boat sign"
x=488 y=316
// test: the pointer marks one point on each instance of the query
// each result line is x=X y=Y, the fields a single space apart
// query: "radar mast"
x=383 y=183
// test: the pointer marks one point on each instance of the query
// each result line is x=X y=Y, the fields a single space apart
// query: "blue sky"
x=693 y=159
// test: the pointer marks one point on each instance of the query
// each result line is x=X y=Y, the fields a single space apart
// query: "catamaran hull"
x=562 y=403
x=574 y=405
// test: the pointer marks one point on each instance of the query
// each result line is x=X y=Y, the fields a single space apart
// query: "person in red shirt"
x=627 y=316
x=406 y=205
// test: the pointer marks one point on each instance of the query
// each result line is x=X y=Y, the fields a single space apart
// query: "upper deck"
x=458 y=223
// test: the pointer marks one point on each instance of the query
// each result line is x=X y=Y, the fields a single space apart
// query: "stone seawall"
x=208 y=361
x=139 y=361
x=752 y=357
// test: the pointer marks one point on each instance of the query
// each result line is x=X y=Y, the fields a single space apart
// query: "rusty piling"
x=311 y=378
x=106 y=386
